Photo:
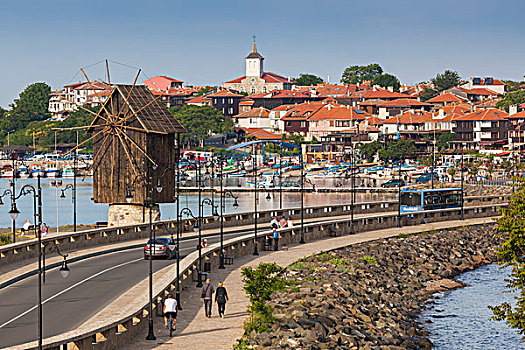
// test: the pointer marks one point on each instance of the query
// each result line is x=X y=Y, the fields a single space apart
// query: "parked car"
x=162 y=247
x=427 y=177
x=393 y=183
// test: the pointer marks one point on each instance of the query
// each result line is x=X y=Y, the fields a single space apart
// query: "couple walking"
x=221 y=297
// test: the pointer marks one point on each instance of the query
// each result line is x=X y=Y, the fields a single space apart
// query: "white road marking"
x=68 y=289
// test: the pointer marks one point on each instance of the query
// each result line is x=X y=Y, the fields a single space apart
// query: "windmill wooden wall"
x=119 y=165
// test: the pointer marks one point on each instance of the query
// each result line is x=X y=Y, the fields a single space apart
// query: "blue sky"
x=204 y=42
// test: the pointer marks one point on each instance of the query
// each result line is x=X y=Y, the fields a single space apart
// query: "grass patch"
x=403 y=235
x=301 y=266
x=369 y=259
x=338 y=262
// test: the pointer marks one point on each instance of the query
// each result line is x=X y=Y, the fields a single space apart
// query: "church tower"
x=254 y=63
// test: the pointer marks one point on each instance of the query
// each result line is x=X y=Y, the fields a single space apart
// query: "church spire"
x=254 y=49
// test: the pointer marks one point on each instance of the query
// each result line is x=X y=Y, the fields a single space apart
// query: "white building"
x=257 y=118
x=485 y=83
x=67 y=100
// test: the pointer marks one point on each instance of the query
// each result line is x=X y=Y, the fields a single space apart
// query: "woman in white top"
x=289 y=223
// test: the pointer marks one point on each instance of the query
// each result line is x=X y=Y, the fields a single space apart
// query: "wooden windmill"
x=133 y=146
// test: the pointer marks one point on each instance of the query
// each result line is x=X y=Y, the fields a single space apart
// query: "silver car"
x=162 y=247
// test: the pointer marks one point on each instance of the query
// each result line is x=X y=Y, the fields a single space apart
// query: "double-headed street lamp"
x=37 y=212
x=224 y=194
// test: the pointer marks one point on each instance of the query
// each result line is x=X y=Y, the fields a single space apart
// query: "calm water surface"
x=89 y=212
x=460 y=318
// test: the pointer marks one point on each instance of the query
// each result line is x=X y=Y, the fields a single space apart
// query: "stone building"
x=256 y=80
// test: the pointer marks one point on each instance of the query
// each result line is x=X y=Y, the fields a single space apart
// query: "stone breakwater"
x=369 y=295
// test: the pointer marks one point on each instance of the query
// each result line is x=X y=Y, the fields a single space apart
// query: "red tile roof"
x=409 y=117
x=303 y=111
x=259 y=112
x=199 y=99
x=487 y=114
x=383 y=94
x=282 y=94
x=448 y=97
x=224 y=93
x=260 y=134
x=480 y=91
x=268 y=77
x=519 y=115
x=283 y=108
x=329 y=112
x=404 y=102
x=160 y=82
x=374 y=121
x=494 y=82
x=246 y=102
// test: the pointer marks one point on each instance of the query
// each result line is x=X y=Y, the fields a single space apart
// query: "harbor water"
x=460 y=319
x=89 y=212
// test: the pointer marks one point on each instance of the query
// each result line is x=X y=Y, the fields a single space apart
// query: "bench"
x=100 y=224
x=31 y=228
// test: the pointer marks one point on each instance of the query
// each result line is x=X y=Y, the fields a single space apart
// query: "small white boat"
x=68 y=171
x=23 y=172
x=52 y=170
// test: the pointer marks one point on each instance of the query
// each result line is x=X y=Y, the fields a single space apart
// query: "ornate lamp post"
x=256 y=217
x=74 y=199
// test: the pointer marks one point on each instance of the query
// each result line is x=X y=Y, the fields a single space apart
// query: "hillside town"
x=264 y=105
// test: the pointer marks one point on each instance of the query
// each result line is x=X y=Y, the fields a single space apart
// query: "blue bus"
x=413 y=200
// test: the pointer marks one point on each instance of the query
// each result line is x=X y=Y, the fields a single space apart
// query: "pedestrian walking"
x=282 y=222
x=221 y=297
x=207 y=297
x=44 y=229
x=290 y=222
x=274 y=224
x=275 y=237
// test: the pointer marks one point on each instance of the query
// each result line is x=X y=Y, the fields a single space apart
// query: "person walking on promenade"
x=207 y=297
x=290 y=222
x=282 y=222
x=221 y=297
x=274 y=224
x=275 y=239
x=44 y=229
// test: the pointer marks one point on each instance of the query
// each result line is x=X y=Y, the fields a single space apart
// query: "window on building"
x=231 y=110
x=264 y=89
x=242 y=89
x=303 y=124
x=253 y=89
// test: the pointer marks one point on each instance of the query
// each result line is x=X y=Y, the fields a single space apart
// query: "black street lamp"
x=224 y=194
x=64 y=269
x=216 y=216
x=74 y=199
x=399 y=195
x=303 y=180
x=462 y=188
x=256 y=217
x=148 y=201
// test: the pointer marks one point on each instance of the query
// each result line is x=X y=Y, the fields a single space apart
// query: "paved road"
x=92 y=284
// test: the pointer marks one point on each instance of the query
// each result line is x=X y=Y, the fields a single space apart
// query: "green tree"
x=204 y=91
x=369 y=150
x=359 y=74
x=511 y=252
x=446 y=80
x=259 y=284
x=511 y=99
x=427 y=94
x=385 y=80
x=397 y=150
x=443 y=140
x=201 y=122
x=308 y=79
x=512 y=85
x=31 y=105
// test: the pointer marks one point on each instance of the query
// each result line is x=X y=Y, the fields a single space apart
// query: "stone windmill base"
x=131 y=214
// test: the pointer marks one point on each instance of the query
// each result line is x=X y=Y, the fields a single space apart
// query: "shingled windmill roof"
x=152 y=114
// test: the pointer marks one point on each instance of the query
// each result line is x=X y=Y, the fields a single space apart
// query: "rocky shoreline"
x=370 y=295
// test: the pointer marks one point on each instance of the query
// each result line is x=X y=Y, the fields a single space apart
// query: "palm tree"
x=451 y=172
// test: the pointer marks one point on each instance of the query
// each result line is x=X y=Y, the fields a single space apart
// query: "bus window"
x=411 y=199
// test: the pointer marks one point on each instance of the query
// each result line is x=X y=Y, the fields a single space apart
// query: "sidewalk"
x=194 y=331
